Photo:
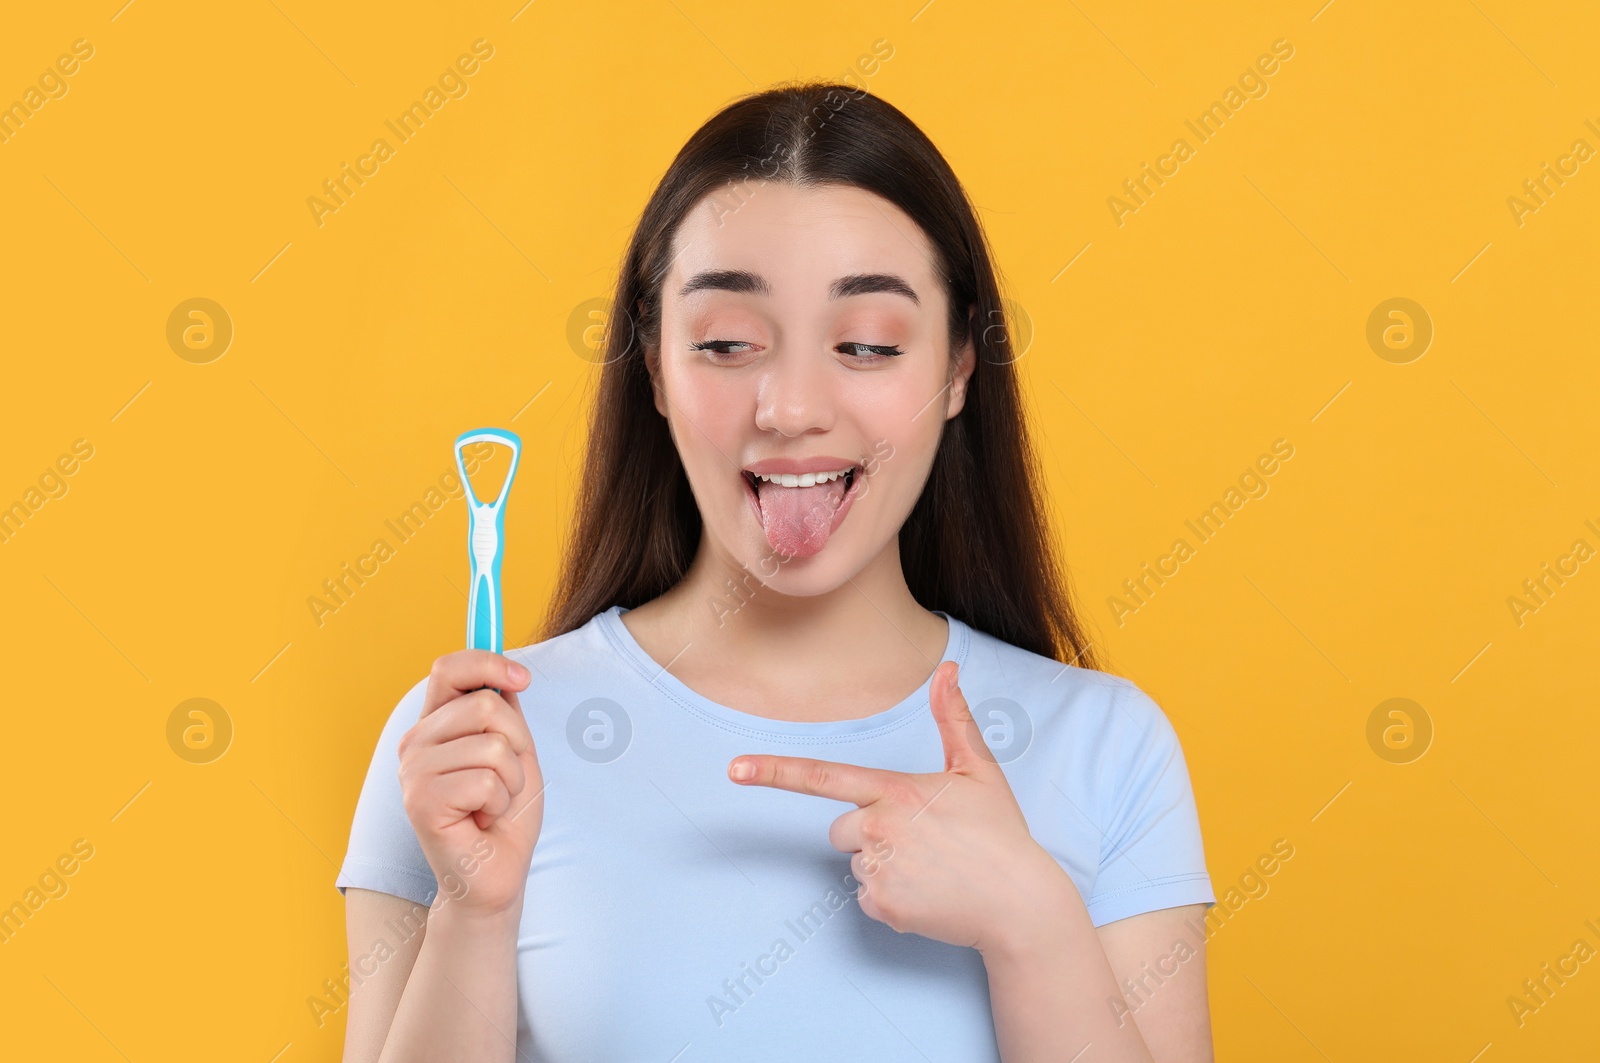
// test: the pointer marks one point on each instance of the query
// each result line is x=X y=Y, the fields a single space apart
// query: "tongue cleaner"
x=486 y=540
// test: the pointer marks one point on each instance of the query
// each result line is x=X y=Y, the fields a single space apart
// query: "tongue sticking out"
x=798 y=520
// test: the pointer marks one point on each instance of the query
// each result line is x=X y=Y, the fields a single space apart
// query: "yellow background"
x=1228 y=312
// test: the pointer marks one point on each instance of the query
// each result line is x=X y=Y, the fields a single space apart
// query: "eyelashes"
x=884 y=349
x=874 y=350
x=712 y=346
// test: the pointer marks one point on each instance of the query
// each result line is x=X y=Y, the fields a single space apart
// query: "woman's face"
x=804 y=331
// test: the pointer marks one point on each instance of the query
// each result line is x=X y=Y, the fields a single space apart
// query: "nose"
x=796 y=394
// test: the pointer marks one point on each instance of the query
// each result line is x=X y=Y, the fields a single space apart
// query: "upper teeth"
x=805 y=479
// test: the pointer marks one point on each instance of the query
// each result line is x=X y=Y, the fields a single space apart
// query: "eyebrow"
x=743 y=281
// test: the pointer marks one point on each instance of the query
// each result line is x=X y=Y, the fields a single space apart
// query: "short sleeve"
x=1151 y=855
x=384 y=853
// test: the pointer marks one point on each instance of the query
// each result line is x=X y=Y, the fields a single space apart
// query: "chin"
x=767 y=571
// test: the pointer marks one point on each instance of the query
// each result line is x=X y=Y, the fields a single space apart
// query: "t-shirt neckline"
x=725 y=716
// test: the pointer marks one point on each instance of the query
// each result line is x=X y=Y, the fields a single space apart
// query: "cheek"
x=907 y=413
x=899 y=430
x=707 y=393
x=710 y=413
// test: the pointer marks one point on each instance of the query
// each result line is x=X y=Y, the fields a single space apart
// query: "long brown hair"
x=977 y=542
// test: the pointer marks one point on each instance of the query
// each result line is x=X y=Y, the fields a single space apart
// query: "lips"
x=796 y=466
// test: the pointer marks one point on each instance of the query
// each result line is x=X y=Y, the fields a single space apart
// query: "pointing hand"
x=943 y=854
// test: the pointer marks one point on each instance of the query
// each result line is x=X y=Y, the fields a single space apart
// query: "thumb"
x=964 y=747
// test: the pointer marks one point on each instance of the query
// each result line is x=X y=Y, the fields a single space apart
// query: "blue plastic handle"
x=486 y=545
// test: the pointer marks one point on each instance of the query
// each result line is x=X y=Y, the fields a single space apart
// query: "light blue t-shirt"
x=674 y=915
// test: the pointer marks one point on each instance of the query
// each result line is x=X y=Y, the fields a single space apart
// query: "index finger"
x=464 y=671
x=820 y=778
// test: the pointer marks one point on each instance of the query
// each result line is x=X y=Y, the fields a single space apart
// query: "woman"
x=737 y=804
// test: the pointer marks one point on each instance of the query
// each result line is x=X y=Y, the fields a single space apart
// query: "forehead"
x=800 y=240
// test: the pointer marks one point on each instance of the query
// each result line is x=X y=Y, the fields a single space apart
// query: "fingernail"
x=742 y=770
x=519 y=674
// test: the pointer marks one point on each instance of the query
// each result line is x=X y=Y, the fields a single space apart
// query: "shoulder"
x=1099 y=773
x=1096 y=738
x=1087 y=701
x=572 y=654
